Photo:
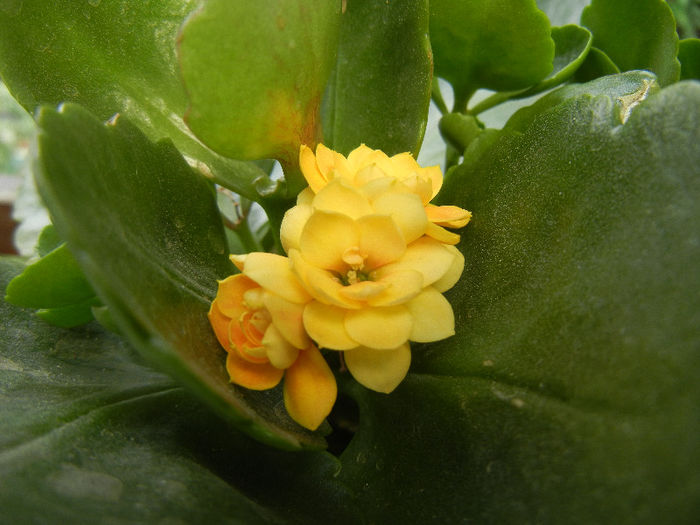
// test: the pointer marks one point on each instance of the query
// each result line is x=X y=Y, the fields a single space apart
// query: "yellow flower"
x=364 y=253
x=257 y=317
x=373 y=170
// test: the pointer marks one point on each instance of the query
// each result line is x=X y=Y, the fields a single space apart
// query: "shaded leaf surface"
x=91 y=435
x=689 y=57
x=571 y=386
x=380 y=91
x=470 y=55
x=109 y=56
x=153 y=258
x=636 y=34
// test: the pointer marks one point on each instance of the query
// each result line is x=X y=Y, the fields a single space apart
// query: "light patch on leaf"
x=628 y=102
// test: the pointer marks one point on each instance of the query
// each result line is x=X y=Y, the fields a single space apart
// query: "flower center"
x=356 y=261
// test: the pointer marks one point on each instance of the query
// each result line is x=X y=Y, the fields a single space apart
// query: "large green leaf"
x=636 y=34
x=91 y=435
x=570 y=391
x=689 y=57
x=380 y=91
x=110 y=56
x=255 y=73
x=470 y=54
x=147 y=233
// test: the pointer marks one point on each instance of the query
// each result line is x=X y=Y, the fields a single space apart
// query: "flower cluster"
x=368 y=260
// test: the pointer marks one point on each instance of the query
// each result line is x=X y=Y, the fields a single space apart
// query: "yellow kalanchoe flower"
x=372 y=170
x=258 y=319
x=362 y=242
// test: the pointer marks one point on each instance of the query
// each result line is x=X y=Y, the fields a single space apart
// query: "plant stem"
x=436 y=95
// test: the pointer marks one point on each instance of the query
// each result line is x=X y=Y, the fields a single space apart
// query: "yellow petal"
x=454 y=272
x=305 y=196
x=401 y=286
x=293 y=224
x=274 y=272
x=339 y=197
x=380 y=240
x=379 y=370
x=309 y=389
x=369 y=174
x=441 y=234
x=321 y=284
x=250 y=375
x=229 y=298
x=450 y=216
x=357 y=157
x=407 y=211
x=220 y=323
x=433 y=318
x=326 y=237
x=326 y=325
x=381 y=327
x=427 y=256
x=279 y=351
x=363 y=290
x=287 y=318
x=307 y=163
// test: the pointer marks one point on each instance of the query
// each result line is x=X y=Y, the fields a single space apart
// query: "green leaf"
x=570 y=389
x=110 y=56
x=148 y=235
x=379 y=93
x=689 y=57
x=470 y=54
x=91 y=435
x=572 y=44
x=48 y=240
x=636 y=34
x=255 y=73
x=626 y=91
x=597 y=64
x=459 y=130
x=54 y=281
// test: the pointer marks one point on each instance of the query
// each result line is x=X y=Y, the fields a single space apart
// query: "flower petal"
x=307 y=163
x=450 y=216
x=279 y=351
x=401 y=286
x=454 y=272
x=433 y=173
x=273 y=272
x=441 y=234
x=326 y=325
x=363 y=290
x=219 y=322
x=288 y=319
x=380 y=240
x=309 y=389
x=321 y=284
x=250 y=375
x=433 y=318
x=293 y=224
x=427 y=256
x=339 y=197
x=229 y=297
x=379 y=370
x=357 y=157
x=326 y=237
x=381 y=327
x=407 y=211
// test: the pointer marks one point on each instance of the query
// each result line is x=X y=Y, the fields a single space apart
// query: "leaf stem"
x=493 y=100
x=436 y=95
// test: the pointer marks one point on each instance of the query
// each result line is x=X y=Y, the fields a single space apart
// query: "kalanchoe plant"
x=553 y=363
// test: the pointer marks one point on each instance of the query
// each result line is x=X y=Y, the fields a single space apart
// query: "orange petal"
x=219 y=322
x=307 y=163
x=450 y=216
x=278 y=350
x=309 y=389
x=288 y=318
x=229 y=297
x=249 y=375
x=379 y=370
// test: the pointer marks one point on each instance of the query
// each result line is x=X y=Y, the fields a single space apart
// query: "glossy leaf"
x=471 y=55
x=153 y=258
x=379 y=92
x=570 y=390
x=636 y=34
x=110 y=56
x=255 y=73
x=91 y=435
x=597 y=64
x=689 y=57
